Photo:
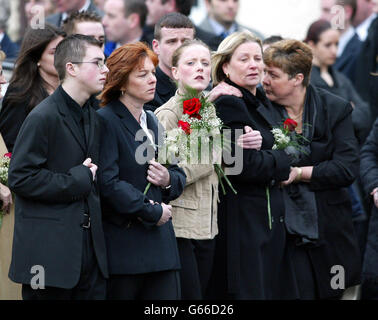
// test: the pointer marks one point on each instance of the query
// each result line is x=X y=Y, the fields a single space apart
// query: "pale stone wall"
x=289 y=18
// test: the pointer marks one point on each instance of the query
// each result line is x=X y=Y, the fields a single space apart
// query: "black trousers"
x=163 y=285
x=196 y=257
x=91 y=285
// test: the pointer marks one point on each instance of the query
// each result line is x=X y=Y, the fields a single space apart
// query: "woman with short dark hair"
x=318 y=211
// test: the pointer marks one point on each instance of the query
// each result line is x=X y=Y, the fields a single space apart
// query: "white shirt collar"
x=218 y=28
x=1 y=36
x=143 y=124
x=363 y=29
x=344 y=40
x=83 y=8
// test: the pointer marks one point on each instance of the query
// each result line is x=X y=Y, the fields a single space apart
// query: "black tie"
x=86 y=123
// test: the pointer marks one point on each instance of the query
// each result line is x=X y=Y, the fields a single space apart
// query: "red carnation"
x=192 y=106
x=8 y=155
x=290 y=124
x=184 y=126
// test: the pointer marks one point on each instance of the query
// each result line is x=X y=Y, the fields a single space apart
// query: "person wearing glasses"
x=58 y=225
x=34 y=79
x=89 y=24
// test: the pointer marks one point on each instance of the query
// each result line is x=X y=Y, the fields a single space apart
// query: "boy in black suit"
x=59 y=243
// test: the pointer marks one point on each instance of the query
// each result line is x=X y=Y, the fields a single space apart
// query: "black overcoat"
x=251 y=260
x=135 y=244
x=334 y=156
x=51 y=184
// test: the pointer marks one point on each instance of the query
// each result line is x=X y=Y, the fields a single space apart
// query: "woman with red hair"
x=142 y=251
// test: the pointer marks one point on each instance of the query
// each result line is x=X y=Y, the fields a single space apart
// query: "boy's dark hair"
x=73 y=48
x=85 y=16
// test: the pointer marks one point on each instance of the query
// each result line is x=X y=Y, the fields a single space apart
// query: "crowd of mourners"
x=101 y=79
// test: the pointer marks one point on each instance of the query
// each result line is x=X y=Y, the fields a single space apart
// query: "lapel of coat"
x=68 y=120
x=262 y=105
x=127 y=119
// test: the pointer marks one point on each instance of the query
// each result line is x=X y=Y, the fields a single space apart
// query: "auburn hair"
x=120 y=64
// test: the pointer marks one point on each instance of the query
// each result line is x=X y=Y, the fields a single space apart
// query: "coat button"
x=281 y=219
x=272 y=182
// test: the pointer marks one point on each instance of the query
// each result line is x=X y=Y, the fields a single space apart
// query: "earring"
x=228 y=75
x=122 y=92
x=38 y=64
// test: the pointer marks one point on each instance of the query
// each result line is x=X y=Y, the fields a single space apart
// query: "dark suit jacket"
x=135 y=244
x=347 y=62
x=344 y=88
x=10 y=48
x=56 y=18
x=369 y=161
x=51 y=186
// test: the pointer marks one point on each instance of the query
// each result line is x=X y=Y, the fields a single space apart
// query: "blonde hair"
x=225 y=51
x=2 y=56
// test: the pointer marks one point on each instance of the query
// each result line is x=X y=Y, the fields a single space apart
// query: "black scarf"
x=301 y=216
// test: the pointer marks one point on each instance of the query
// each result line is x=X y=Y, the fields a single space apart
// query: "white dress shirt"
x=363 y=29
x=143 y=124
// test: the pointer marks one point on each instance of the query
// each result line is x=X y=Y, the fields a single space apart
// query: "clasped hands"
x=159 y=176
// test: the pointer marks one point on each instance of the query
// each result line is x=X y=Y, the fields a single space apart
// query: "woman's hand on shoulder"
x=252 y=139
x=223 y=89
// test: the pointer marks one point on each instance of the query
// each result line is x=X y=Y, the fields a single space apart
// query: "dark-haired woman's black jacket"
x=13 y=115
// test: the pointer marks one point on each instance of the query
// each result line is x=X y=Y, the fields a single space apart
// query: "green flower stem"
x=147 y=188
x=220 y=179
x=218 y=167
x=269 y=209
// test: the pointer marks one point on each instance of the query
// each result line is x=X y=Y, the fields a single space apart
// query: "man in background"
x=159 y=8
x=67 y=7
x=221 y=18
x=87 y=23
x=123 y=22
